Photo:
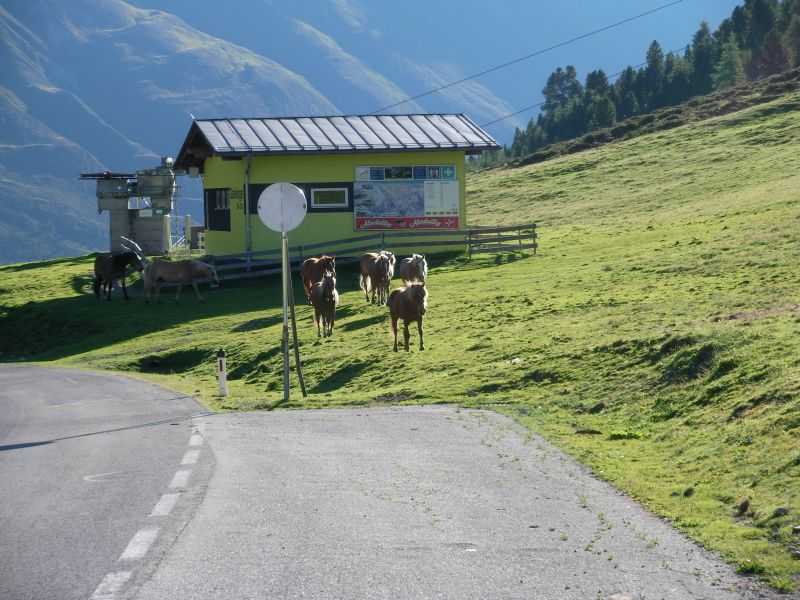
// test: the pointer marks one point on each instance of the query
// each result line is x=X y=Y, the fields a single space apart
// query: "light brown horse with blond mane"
x=414 y=268
x=409 y=303
x=314 y=269
x=180 y=272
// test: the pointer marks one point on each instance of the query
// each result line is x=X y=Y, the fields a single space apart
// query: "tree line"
x=760 y=38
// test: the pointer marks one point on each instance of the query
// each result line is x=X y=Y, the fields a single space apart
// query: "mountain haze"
x=91 y=85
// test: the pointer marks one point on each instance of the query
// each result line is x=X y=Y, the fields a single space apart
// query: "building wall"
x=317 y=227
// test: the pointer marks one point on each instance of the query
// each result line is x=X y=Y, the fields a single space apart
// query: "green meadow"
x=655 y=335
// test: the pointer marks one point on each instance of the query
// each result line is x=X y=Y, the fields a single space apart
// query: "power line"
x=537 y=53
x=610 y=77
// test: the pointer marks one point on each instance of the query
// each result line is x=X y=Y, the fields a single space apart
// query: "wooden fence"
x=476 y=240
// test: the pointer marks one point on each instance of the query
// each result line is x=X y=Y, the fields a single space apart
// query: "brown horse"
x=376 y=275
x=324 y=297
x=110 y=267
x=410 y=304
x=314 y=269
x=414 y=268
x=178 y=271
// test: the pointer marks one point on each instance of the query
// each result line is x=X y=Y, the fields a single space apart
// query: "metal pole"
x=295 y=343
x=285 y=338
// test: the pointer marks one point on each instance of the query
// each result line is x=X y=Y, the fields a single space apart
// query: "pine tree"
x=653 y=80
x=792 y=39
x=702 y=60
x=774 y=57
x=730 y=70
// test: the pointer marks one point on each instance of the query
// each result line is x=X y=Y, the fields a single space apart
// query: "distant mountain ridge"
x=90 y=86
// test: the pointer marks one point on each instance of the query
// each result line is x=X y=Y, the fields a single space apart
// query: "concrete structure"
x=139 y=205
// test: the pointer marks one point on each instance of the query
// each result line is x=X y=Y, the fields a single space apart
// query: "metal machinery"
x=139 y=205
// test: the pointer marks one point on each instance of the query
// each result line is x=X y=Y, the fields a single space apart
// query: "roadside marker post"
x=222 y=375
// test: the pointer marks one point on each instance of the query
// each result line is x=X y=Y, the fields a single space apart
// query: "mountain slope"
x=655 y=335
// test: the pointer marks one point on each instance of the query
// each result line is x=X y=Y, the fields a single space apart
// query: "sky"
x=481 y=35
x=423 y=44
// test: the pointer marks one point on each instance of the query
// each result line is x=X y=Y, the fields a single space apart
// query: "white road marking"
x=190 y=457
x=140 y=544
x=111 y=585
x=200 y=427
x=181 y=479
x=99 y=476
x=164 y=506
x=196 y=440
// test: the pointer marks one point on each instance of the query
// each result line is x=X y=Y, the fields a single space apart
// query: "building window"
x=217 y=209
x=222 y=198
x=329 y=198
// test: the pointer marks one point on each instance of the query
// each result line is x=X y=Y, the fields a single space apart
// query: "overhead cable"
x=537 y=53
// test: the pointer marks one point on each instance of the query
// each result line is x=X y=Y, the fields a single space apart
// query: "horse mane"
x=119 y=261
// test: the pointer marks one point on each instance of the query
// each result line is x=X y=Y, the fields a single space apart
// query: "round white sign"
x=282 y=207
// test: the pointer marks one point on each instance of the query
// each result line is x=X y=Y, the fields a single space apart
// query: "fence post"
x=469 y=244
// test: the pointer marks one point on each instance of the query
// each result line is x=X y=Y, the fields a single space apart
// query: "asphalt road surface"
x=420 y=502
x=84 y=460
x=110 y=492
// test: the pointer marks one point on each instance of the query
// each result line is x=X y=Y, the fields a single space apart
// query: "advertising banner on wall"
x=406 y=197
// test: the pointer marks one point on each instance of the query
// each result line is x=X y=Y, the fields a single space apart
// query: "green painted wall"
x=317 y=227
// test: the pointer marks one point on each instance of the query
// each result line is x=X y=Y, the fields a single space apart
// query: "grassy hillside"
x=656 y=335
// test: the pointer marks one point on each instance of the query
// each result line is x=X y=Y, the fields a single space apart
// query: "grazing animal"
x=414 y=268
x=324 y=298
x=409 y=303
x=180 y=272
x=314 y=269
x=110 y=267
x=376 y=276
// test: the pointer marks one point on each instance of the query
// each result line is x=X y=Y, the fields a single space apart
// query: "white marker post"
x=221 y=373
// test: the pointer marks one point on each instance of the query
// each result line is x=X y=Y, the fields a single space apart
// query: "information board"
x=406 y=197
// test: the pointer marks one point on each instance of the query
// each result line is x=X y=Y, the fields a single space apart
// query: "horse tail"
x=364 y=282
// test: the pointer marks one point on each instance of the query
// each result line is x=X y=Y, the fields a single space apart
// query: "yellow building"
x=360 y=174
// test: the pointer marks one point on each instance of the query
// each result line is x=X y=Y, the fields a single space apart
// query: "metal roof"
x=354 y=133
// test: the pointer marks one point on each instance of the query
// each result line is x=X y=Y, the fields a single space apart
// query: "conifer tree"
x=730 y=70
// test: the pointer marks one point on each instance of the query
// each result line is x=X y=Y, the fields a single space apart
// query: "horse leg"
x=108 y=286
x=331 y=318
x=158 y=290
x=196 y=290
x=394 y=331
x=406 y=334
x=96 y=286
x=124 y=290
x=419 y=328
x=318 y=321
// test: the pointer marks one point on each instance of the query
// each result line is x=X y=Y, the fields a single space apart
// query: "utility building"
x=358 y=173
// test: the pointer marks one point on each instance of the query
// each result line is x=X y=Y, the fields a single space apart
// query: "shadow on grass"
x=361 y=323
x=63 y=327
x=341 y=376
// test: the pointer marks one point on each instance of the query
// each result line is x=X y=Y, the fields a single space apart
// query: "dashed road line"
x=190 y=457
x=137 y=548
x=181 y=479
x=165 y=505
x=140 y=544
x=111 y=585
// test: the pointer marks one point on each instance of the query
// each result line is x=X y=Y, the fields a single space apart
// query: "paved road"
x=419 y=502
x=85 y=459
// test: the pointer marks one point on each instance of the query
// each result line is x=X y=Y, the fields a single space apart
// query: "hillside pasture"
x=655 y=335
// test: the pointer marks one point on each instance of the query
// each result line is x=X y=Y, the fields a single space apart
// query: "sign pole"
x=282 y=207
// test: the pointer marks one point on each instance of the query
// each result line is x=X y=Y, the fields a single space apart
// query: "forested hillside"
x=759 y=39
